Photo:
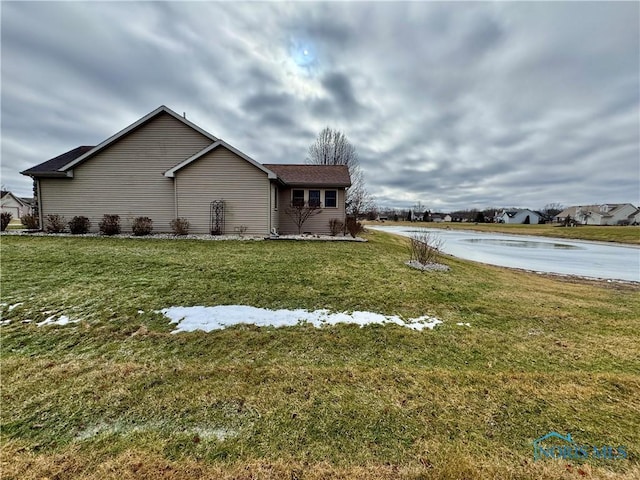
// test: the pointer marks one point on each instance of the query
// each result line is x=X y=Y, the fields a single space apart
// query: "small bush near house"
x=55 y=224
x=180 y=226
x=142 y=226
x=335 y=226
x=354 y=227
x=79 y=225
x=110 y=224
x=30 y=222
x=5 y=218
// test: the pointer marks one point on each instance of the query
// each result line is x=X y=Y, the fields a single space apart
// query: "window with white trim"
x=330 y=198
x=314 y=198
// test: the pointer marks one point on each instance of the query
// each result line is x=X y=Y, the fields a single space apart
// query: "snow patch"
x=63 y=320
x=11 y=307
x=189 y=319
x=5 y=322
x=463 y=324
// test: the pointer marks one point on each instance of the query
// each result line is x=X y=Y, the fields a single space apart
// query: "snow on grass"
x=463 y=324
x=11 y=307
x=189 y=319
x=63 y=320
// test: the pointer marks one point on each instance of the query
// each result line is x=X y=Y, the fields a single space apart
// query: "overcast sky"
x=455 y=105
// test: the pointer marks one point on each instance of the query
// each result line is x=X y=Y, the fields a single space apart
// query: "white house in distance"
x=16 y=206
x=519 y=215
x=605 y=214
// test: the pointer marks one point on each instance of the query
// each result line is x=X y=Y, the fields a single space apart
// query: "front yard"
x=114 y=393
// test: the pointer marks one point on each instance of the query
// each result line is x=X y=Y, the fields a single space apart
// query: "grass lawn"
x=604 y=233
x=117 y=395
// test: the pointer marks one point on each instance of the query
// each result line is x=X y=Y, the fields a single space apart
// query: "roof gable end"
x=122 y=133
x=219 y=143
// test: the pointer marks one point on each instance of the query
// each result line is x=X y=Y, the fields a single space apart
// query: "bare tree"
x=301 y=212
x=332 y=147
x=552 y=209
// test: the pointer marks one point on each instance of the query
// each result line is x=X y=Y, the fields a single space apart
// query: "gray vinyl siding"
x=127 y=177
x=223 y=175
x=317 y=224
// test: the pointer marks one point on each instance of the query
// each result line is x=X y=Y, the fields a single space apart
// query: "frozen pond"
x=540 y=254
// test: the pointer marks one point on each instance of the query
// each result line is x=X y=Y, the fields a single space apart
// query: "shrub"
x=354 y=227
x=335 y=226
x=110 y=224
x=424 y=247
x=5 y=219
x=79 y=225
x=180 y=226
x=31 y=222
x=55 y=224
x=142 y=226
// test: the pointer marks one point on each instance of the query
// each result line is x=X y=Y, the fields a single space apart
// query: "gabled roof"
x=52 y=167
x=219 y=143
x=312 y=175
x=59 y=166
x=5 y=193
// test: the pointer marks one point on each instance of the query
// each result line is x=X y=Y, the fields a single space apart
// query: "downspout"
x=40 y=217
x=175 y=197
x=270 y=208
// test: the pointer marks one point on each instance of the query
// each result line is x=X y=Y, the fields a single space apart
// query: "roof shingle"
x=312 y=175
x=52 y=166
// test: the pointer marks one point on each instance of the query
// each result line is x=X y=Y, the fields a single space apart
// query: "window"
x=330 y=198
x=275 y=198
x=298 y=198
x=314 y=198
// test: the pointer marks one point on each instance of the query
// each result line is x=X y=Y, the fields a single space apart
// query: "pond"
x=540 y=254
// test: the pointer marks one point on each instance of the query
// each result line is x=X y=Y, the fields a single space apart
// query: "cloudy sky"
x=455 y=105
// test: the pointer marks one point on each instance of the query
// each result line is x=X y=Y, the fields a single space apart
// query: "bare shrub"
x=30 y=222
x=301 y=212
x=424 y=247
x=142 y=226
x=354 y=227
x=335 y=226
x=79 y=225
x=5 y=219
x=55 y=224
x=180 y=226
x=110 y=224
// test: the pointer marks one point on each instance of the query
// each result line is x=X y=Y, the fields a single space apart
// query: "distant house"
x=605 y=214
x=16 y=206
x=164 y=167
x=519 y=215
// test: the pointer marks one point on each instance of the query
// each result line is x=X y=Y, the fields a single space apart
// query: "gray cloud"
x=456 y=105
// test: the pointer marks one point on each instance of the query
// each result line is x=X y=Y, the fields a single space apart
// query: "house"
x=16 y=206
x=164 y=167
x=605 y=214
x=519 y=215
